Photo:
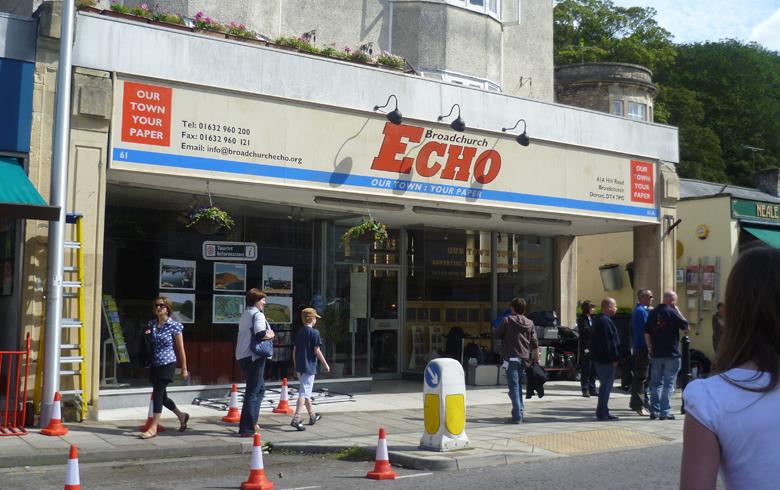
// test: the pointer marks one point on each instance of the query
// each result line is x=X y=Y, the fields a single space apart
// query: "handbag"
x=258 y=346
x=145 y=350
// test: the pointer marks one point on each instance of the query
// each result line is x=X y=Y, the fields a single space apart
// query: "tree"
x=598 y=30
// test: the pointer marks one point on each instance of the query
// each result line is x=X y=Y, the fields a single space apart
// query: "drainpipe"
x=59 y=193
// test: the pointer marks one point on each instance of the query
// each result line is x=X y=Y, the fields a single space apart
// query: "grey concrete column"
x=565 y=264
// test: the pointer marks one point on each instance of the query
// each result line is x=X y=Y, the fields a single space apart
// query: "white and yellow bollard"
x=444 y=402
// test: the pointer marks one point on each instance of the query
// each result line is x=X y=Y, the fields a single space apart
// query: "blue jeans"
x=255 y=388
x=606 y=374
x=663 y=376
x=514 y=380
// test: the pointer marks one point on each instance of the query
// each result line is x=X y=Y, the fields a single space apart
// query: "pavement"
x=559 y=425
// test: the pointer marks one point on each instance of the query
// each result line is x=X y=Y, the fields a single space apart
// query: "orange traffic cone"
x=284 y=406
x=257 y=479
x=233 y=416
x=382 y=469
x=55 y=427
x=149 y=418
x=72 y=477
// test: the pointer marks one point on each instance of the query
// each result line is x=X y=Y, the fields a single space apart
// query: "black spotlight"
x=458 y=124
x=522 y=138
x=395 y=115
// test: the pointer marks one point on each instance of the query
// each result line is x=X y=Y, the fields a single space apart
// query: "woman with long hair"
x=731 y=424
x=165 y=337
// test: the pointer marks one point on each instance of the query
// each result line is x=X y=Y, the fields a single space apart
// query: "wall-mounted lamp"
x=310 y=36
x=367 y=48
x=393 y=116
x=458 y=124
x=521 y=138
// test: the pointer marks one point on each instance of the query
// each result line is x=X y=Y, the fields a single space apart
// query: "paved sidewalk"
x=560 y=424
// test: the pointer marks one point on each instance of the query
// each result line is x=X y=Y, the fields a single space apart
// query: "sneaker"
x=609 y=417
x=653 y=416
x=315 y=418
x=586 y=394
x=298 y=425
x=667 y=417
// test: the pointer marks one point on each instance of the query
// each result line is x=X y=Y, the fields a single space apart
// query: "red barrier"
x=14 y=412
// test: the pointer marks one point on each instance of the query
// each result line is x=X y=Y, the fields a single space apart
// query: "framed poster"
x=278 y=309
x=227 y=308
x=277 y=279
x=177 y=274
x=229 y=277
x=183 y=306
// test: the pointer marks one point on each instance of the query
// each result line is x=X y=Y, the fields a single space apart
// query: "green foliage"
x=213 y=214
x=724 y=96
x=391 y=60
x=369 y=226
x=240 y=30
x=598 y=30
x=119 y=8
x=80 y=4
x=359 y=55
x=298 y=43
x=167 y=17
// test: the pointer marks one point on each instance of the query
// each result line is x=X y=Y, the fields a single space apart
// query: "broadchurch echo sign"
x=161 y=127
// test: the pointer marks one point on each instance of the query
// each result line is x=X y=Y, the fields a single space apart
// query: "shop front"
x=468 y=228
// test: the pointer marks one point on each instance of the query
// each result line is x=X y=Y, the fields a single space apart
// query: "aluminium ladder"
x=73 y=369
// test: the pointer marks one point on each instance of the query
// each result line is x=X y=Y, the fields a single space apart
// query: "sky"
x=712 y=20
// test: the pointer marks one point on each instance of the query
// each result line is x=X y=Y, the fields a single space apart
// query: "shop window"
x=7 y=255
x=637 y=111
x=525 y=268
x=138 y=239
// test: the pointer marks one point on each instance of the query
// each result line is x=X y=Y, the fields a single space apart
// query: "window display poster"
x=277 y=279
x=115 y=329
x=177 y=274
x=692 y=277
x=278 y=309
x=183 y=306
x=227 y=308
x=229 y=277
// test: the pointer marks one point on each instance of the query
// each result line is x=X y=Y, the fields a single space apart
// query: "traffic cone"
x=382 y=469
x=55 y=427
x=257 y=479
x=149 y=418
x=234 y=415
x=72 y=477
x=284 y=406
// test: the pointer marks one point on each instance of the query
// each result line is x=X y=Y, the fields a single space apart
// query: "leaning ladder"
x=73 y=368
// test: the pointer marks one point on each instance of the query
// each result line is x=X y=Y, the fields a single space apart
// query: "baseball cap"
x=307 y=312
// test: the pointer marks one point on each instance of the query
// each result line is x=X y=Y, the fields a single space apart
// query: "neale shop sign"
x=743 y=208
x=196 y=131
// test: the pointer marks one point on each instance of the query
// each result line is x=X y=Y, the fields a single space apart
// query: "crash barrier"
x=14 y=370
x=272 y=397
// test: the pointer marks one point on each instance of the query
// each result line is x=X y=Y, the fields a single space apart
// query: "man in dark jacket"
x=662 y=335
x=520 y=346
x=605 y=349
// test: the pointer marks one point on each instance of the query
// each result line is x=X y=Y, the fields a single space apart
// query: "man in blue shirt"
x=662 y=335
x=639 y=346
x=306 y=351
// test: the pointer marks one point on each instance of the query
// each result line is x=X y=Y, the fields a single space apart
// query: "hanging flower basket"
x=209 y=220
x=368 y=231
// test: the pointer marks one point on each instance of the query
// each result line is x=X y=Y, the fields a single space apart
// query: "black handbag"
x=145 y=350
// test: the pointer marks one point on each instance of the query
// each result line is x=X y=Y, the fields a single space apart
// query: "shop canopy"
x=18 y=196
x=768 y=236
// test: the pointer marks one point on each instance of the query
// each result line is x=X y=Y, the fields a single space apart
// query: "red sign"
x=439 y=155
x=146 y=114
x=642 y=182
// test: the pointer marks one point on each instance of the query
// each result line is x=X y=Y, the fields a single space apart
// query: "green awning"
x=766 y=235
x=18 y=196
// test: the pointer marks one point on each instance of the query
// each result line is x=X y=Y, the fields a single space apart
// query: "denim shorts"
x=307 y=384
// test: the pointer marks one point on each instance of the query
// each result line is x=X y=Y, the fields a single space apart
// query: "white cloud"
x=767 y=33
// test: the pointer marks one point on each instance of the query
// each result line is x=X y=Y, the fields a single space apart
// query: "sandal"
x=147 y=435
x=183 y=425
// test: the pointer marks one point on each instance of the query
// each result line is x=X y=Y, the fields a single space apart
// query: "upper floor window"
x=617 y=107
x=637 y=111
x=490 y=7
x=461 y=79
